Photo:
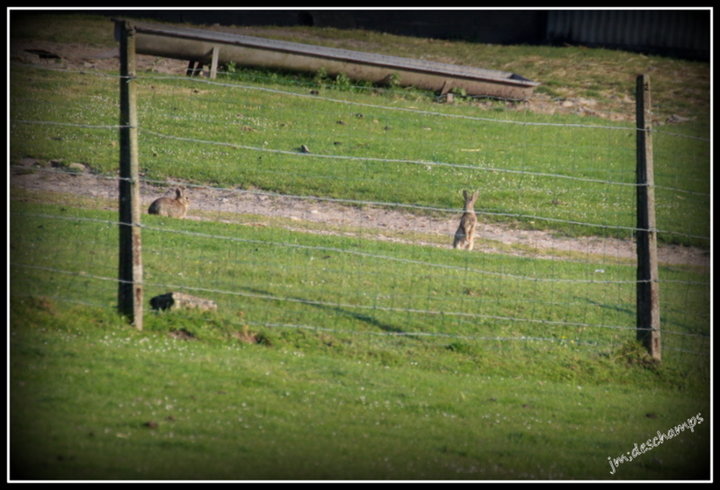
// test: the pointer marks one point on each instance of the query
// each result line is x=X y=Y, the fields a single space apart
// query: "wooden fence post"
x=130 y=287
x=648 y=294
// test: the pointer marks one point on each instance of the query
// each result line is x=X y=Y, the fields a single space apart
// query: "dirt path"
x=378 y=223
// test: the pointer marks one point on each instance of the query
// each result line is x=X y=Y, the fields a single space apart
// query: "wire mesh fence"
x=334 y=214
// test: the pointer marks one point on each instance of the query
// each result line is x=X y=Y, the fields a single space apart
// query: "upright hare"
x=167 y=206
x=465 y=234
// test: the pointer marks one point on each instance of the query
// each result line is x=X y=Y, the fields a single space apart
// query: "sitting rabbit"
x=465 y=234
x=175 y=208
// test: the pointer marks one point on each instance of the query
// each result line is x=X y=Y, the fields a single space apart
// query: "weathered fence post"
x=648 y=294
x=130 y=287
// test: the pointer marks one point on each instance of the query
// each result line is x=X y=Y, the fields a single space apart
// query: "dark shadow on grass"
x=678 y=326
x=615 y=308
x=337 y=310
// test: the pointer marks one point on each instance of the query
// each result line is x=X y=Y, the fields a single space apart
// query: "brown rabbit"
x=465 y=234
x=175 y=208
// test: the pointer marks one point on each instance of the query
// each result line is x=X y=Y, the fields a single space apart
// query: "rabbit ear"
x=179 y=192
x=474 y=196
x=465 y=195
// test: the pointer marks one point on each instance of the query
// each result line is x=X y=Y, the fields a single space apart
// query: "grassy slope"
x=312 y=404
x=265 y=130
x=270 y=127
x=92 y=400
x=329 y=397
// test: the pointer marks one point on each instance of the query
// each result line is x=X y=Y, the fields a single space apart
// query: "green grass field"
x=340 y=376
x=338 y=354
x=373 y=148
x=92 y=400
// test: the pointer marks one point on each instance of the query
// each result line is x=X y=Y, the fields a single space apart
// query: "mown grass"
x=281 y=276
x=273 y=277
x=323 y=390
x=369 y=147
x=93 y=400
x=328 y=357
x=249 y=136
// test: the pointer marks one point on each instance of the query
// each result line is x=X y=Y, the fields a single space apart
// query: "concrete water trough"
x=213 y=48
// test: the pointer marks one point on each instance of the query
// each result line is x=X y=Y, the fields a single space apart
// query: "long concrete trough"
x=213 y=48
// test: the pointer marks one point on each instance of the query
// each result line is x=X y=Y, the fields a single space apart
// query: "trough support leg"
x=446 y=87
x=194 y=68
x=214 y=62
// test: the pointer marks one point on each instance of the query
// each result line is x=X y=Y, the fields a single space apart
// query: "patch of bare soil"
x=84 y=57
x=374 y=222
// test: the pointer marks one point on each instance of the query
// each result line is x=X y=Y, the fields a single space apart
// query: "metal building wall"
x=675 y=32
